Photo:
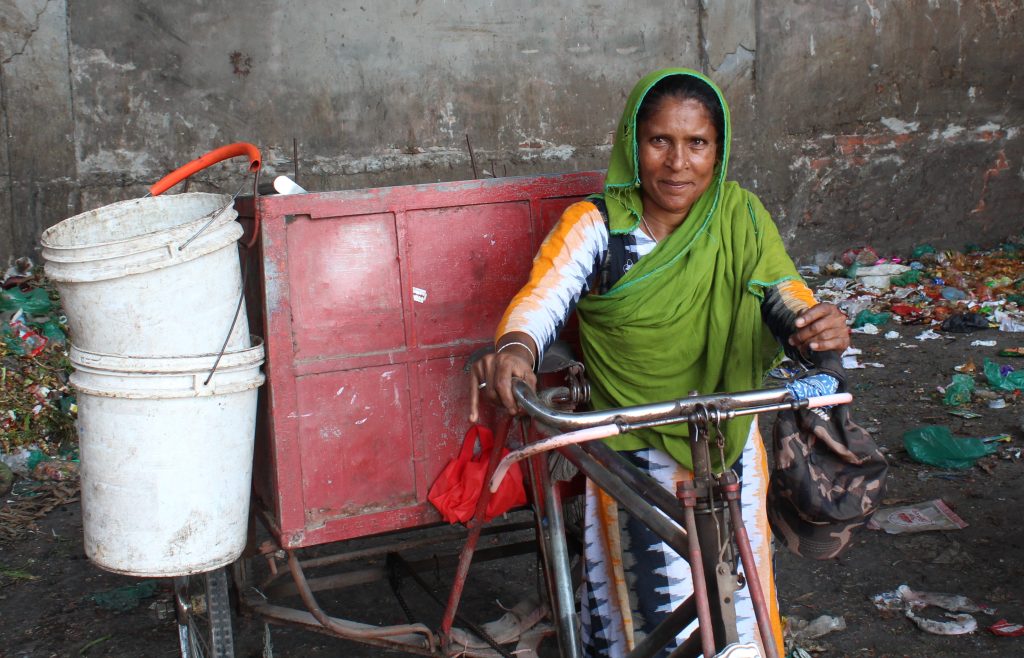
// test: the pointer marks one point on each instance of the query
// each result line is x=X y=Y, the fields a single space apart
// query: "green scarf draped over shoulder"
x=687 y=316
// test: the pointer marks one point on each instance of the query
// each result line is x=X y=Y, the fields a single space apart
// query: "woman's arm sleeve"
x=780 y=306
x=560 y=275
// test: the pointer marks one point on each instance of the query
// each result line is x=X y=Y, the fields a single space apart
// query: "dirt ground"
x=47 y=584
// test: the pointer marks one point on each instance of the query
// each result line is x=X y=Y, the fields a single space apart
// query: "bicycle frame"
x=691 y=528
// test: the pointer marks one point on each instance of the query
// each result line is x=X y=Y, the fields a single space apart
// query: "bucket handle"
x=204 y=161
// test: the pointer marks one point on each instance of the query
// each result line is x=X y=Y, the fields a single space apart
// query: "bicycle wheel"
x=204 y=615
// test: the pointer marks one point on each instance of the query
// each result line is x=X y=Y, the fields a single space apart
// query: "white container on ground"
x=166 y=459
x=132 y=283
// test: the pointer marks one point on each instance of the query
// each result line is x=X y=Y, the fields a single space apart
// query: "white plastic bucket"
x=133 y=284
x=166 y=459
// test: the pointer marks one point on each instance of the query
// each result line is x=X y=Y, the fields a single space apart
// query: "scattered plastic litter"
x=859 y=256
x=1012 y=352
x=928 y=334
x=936 y=445
x=23 y=460
x=1008 y=323
x=22 y=339
x=959 y=391
x=37 y=406
x=964 y=292
x=964 y=413
x=1003 y=378
x=865 y=329
x=867 y=317
x=1004 y=628
x=55 y=470
x=968 y=367
x=798 y=633
x=911 y=603
x=998 y=403
x=879 y=276
x=919 y=517
x=892 y=335
x=123 y=599
x=963 y=323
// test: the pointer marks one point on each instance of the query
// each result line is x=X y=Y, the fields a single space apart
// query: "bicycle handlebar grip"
x=829 y=400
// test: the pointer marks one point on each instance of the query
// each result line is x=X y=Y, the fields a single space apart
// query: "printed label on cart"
x=419 y=295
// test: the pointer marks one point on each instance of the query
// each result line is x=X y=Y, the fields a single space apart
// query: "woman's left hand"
x=821 y=328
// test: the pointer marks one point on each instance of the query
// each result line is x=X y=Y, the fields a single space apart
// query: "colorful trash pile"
x=37 y=407
x=950 y=290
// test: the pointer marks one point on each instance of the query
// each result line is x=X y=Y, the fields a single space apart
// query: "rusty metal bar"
x=397 y=560
x=395 y=547
x=688 y=495
x=731 y=489
x=410 y=643
x=374 y=574
x=348 y=630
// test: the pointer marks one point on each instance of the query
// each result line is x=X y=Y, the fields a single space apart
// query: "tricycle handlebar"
x=592 y=425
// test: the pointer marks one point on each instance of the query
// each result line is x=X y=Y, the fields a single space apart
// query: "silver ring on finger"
x=482 y=386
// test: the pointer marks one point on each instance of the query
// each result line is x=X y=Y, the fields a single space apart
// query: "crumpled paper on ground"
x=910 y=603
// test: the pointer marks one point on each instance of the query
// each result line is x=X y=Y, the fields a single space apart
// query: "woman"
x=698 y=293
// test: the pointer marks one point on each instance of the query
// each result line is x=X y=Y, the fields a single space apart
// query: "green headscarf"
x=687 y=316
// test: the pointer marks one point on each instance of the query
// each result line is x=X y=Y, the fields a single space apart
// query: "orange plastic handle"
x=202 y=162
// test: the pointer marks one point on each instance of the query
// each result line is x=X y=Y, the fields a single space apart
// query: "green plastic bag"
x=921 y=250
x=907 y=278
x=53 y=332
x=1011 y=381
x=34 y=302
x=936 y=445
x=867 y=317
x=959 y=391
x=123 y=599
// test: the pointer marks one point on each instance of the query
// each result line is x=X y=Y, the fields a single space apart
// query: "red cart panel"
x=372 y=301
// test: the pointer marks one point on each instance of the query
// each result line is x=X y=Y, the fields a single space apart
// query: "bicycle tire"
x=204 y=620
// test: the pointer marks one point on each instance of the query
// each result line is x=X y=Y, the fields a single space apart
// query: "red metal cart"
x=372 y=302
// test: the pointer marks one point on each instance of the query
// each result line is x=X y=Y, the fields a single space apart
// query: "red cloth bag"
x=457 y=489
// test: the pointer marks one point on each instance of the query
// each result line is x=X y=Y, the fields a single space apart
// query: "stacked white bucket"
x=150 y=288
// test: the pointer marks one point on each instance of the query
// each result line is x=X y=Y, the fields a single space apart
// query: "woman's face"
x=677 y=147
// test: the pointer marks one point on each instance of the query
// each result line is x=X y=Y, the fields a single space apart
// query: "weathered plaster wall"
x=870 y=120
x=892 y=123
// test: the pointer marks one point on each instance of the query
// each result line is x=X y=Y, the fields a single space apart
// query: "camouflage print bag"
x=828 y=479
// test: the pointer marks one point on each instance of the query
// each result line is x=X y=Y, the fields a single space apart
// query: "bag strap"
x=476 y=433
x=611 y=265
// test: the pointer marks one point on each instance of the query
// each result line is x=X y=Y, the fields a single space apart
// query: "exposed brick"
x=849 y=144
x=1000 y=165
x=818 y=164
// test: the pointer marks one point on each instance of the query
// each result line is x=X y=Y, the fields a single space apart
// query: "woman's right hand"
x=496 y=371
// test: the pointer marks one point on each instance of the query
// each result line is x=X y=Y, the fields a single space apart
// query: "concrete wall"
x=879 y=121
